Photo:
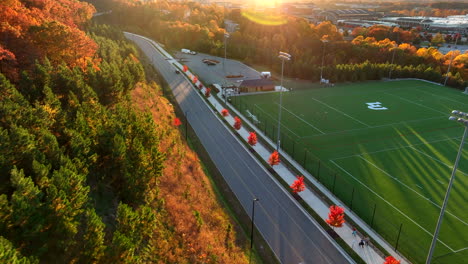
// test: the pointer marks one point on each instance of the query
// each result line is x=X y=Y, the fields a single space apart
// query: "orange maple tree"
x=224 y=112
x=207 y=92
x=237 y=123
x=185 y=68
x=336 y=216
x=391 y=260
x=177 y=122
x=274 y=158
x=252 y=139
x=32 y=30
x=298 y=185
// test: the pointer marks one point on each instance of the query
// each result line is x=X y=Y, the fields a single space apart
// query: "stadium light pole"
x=393 y=58
x=451 y=59
x=226 y=36
x=284 y=57
x=252 y=227
x=460 y=117
x=324 y=41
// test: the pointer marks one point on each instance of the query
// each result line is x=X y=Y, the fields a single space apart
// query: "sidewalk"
x=368 y=253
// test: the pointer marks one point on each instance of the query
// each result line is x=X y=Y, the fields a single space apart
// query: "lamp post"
x=186 y=123
x=393 y=58
x=226 y=36
x=324 y=41
x=284 y=57
x=460 y=117
x=252 y=227
x=451 y=59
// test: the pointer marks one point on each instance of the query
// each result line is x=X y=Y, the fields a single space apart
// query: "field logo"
x=376 y=106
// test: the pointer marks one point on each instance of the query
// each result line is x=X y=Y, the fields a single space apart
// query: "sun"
x=265 y=3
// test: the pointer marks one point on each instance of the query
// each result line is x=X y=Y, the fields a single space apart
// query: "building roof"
x=256 y=82
x=346 y=12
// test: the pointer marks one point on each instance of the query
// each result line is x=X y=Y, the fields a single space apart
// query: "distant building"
x=346 y=14
x=449 y=24
x=352 y=23
x=256 y=85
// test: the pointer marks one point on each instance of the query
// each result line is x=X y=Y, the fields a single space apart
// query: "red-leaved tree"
x=237 y=123
x=185 y=68
x=207 y=92
x=298 y=185
x=391 y=260
x=200 y=86
x=195 y=79
x=224 y=112
x=274 y=158
x=252 y=139
x=336 y=216
x=177 y=122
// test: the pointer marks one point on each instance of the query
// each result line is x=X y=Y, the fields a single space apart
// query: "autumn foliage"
x=391 y=260
x=237 y=123
x=298 y=185
x=176 y=122
x=274 y=158
x=336 y=216
x=207 y=92
x=224 y=112
x=33 y=30
x=185 y=69
x=252 y=139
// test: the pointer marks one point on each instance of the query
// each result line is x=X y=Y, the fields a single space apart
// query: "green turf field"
x=391 y=166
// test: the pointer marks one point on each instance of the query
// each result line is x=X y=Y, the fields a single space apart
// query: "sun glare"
x=265 y=3
x=261 y=15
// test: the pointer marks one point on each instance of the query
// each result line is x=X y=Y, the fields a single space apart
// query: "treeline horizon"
x=177 y=24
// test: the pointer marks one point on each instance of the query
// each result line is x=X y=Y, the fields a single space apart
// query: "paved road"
x=293 y=236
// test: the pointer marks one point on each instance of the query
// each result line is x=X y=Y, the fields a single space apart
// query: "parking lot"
x=215 y=73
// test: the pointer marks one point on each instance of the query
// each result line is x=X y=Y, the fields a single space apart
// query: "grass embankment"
x=238 y=227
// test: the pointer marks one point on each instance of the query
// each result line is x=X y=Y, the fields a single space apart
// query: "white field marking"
x=456 y=251
x=437 y=160
x=391 y=124
x=419 y=186
x=276 y=121
x=302 y=120
x=398 y=210
x=340 y=111
x=447 y=98
x=409 y=101
x=396 y=148
x=440 y=181
x=389 y=175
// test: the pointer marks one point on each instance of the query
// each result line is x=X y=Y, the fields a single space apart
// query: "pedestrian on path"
x=354 y=231
x=361 y=244
x=367 y=239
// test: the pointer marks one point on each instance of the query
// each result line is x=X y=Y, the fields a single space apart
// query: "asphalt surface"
x=291 y=233
x=215 y=73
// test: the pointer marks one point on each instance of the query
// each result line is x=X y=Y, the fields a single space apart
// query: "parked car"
x=210 y=63
x=177 y=71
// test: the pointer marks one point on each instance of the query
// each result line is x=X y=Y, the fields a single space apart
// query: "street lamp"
x=393 y=58
x=451 y=59
x=186 y=123
x=284 y=57
x=252 y=228
x=460 y=117
x=226 y=36
x=324 y=41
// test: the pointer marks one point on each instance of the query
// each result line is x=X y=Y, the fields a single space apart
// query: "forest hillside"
x=92 y=168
